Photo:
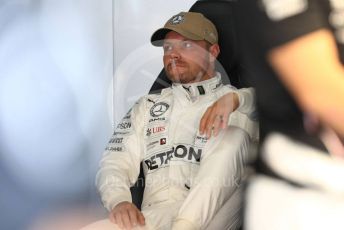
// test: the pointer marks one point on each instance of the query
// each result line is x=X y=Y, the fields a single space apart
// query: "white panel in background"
x=55 y=77
x=137 y=63
x=55 y=71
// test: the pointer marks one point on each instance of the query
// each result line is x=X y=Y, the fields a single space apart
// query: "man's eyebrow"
x=167 y=41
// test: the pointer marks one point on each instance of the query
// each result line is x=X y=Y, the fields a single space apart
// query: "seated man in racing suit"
x=192 y=182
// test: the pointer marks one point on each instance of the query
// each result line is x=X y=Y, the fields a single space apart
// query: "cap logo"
x=177 y=19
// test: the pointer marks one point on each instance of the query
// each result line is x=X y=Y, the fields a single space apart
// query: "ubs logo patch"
x=159 y=109
x=155 y=130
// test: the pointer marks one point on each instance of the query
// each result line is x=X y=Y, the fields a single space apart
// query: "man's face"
x=188 y=61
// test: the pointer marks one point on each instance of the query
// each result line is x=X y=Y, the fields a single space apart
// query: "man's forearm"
x=120 y=164
x=112 y=182
x=310 y=68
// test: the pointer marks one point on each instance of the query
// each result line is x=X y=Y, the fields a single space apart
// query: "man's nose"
x=175 y=54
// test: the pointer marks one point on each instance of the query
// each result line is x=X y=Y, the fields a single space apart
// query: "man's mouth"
x=176 y=64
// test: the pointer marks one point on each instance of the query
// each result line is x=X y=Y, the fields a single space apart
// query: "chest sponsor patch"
x=163 y=141
x=156 y=142
x=180 y=152
x=157 y=119
x=155 y=130
x=159 y=109
x=152 y=144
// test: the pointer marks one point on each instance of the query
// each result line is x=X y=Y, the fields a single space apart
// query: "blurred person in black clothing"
x=296 y=51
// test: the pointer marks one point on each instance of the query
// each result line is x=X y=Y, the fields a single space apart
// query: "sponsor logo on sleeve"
x=128 y=115
x=124 y=125
x=115 y=148
x=116 y=133
x=116 y=140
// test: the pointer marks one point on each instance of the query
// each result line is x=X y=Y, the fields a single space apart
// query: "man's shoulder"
x=224 y=89
x=163 y=94
x=153 y=98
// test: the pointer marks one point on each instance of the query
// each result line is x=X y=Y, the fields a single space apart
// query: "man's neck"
x=206 y=76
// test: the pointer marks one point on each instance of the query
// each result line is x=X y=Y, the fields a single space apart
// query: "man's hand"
x=217 y=115
x=126 y=215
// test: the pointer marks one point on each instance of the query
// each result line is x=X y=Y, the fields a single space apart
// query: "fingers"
x=225 y=119
x=112 y=217
x=209 y=123
x=214 y=125
x=126 y=216
x=204 y=120
x=217 y=124
x=133 y=216
x=141 y=218
x=118 y=218
x=216 y=116
x=126 y=219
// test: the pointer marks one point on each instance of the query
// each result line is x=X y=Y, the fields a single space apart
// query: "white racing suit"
x=188 y=178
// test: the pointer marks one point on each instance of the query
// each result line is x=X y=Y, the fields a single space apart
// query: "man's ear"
x=214 y=50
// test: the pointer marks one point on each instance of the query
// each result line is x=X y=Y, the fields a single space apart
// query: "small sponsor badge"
x=162 y=141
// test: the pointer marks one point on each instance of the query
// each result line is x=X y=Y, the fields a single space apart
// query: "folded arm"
x=218 y=114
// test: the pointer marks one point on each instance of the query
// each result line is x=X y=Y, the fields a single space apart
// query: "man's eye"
x=187 y=44
x=167 y=48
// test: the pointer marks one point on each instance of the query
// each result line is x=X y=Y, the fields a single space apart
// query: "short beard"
x=180 y=79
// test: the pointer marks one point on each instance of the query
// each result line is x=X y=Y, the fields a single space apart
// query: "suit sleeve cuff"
x=246 y=100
